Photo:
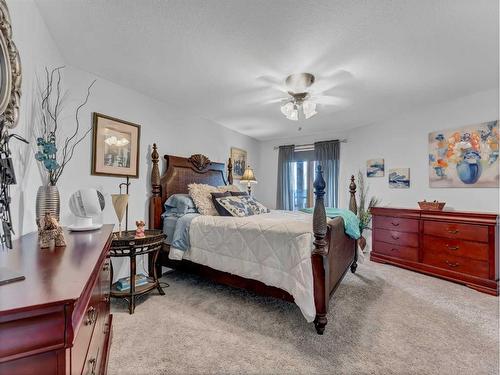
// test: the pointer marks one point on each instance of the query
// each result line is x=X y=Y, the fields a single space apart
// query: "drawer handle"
x=93 y=363
x=91 y=316
x=106 y=267
x=453 y=231
x=453 y=265
x=395 y=237
x=105 y=298
x=395 y=224
x=394 y=249
x=452 y=247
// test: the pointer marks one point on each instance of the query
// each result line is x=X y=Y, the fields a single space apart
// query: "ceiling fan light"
x=294 y=115
x=309 y=114
x=287 y=109
x=308 y=107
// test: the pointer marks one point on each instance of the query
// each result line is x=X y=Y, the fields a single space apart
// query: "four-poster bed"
x=333 y=255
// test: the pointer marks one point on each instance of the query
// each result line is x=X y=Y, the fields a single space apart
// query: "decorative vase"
x=469 y=173
x=48 y=201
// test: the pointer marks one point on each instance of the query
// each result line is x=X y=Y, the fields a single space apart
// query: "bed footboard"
x=334 y=252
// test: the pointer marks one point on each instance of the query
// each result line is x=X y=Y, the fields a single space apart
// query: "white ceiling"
x=204 y=56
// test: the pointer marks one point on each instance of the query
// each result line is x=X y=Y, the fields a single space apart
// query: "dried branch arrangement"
x=364 y=214
x=52 y=154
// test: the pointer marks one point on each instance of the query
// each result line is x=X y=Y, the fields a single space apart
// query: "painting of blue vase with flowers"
x=465 y=157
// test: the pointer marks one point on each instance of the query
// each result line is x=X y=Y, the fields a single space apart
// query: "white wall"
x=175 y=133
x=402 y=142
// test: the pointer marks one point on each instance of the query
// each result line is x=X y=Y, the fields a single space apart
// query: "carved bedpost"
x=230 y=171
x=319 y=255
x=155 y=200
x=353 y=206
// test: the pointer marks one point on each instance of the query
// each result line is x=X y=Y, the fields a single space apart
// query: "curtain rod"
x=311 y=144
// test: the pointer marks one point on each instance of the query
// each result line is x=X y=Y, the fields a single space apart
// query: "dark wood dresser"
x=453 y=245
x=57 y=320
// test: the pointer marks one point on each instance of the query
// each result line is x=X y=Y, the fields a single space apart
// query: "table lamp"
x=249 y=178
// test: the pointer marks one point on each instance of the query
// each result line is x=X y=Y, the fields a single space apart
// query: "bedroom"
x=389 y=85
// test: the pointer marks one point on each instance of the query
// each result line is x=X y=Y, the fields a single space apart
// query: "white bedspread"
x=274 y=248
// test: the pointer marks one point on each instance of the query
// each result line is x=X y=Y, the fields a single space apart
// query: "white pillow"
x=201 y=194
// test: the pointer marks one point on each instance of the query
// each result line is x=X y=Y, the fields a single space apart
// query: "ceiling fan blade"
x=329 y=100
x=329 y=81
x=277 y=100
x=273 y=82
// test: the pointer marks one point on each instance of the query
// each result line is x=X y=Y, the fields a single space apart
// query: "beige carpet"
x=382 y=320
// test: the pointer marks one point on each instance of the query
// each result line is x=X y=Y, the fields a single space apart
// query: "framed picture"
x=464 y=157
x=399 y=178
x=375 y=168
x=239 y=159
x=115 y=147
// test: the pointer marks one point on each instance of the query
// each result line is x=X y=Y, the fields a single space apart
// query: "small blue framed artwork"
x=399 y=178
x=375 y=168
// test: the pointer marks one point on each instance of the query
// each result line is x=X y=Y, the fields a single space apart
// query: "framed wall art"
x=115 y=147
x=239 y=159
x=464 y=157
x=375 y=168
x=399 y=178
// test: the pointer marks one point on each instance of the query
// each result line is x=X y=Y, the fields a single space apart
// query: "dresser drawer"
x=454 y=230
x=84 y=335
x=396 y=237
x=457 y=264
x=396 y=251
x=455 y=247
x=395 y=223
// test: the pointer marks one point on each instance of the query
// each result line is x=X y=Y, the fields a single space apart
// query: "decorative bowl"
x=431 y=206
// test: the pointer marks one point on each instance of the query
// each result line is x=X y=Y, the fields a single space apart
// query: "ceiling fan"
x=303 y=94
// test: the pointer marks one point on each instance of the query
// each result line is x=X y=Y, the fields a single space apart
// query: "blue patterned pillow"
x=235 y=206
x=241 y=206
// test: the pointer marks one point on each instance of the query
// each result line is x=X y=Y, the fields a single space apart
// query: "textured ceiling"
x=205 y=56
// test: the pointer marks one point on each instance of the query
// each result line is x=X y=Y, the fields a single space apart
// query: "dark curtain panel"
x=284 y=195
x=328 y=155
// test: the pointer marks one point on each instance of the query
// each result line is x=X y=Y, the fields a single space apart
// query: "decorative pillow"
x=235 y=206
x=180 y=204
x=202 y=198
x=239 y=194
x=230 y=188
x=256 y=207
x=220 y=209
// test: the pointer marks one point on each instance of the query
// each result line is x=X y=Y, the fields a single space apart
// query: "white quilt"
x=274 y=248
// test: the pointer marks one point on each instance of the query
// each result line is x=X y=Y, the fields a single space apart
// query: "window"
x=302 y=179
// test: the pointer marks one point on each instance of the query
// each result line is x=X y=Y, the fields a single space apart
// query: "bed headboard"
x=179 y=173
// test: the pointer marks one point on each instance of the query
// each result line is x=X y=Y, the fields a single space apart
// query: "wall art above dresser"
x=453 y=245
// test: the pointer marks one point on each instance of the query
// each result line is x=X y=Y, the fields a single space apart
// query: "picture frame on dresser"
x=458 y=246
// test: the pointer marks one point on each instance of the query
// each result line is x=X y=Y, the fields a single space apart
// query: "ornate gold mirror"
x=10 y=71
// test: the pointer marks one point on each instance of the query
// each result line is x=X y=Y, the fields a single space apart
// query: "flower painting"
x=375 y=168
x=465 y=157
x=399 y=178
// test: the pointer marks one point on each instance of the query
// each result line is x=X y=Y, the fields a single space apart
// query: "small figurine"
x=139 y=232
x=49 y=230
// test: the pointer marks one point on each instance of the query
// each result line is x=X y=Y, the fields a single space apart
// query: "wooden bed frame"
x=333 y=255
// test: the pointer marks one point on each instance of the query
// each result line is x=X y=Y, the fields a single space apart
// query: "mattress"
x=274 y=248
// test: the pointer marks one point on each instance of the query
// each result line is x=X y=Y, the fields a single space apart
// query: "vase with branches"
x=55 y=142
x=363 y=213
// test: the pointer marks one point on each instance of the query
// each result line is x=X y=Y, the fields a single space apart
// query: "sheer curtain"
x=327 y=154
x=284 y=195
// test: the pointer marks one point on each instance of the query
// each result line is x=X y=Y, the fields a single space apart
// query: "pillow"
x=239 y=194
x=256 y=207
x=220 y=209
x=179 y=204
x=235 y=206
x=202 y=198
x=230 y=188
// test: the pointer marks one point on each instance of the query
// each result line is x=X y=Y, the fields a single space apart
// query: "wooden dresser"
x=453 y=245
x=57 y=321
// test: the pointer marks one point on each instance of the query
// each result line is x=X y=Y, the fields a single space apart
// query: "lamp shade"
x=248 y=176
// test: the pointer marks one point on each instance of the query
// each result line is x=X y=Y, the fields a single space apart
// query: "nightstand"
x=127 y=245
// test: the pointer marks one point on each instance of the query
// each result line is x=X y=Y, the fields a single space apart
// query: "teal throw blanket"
x=351 y=221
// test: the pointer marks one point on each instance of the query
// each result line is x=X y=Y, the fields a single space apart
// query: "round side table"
x=127 y=245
